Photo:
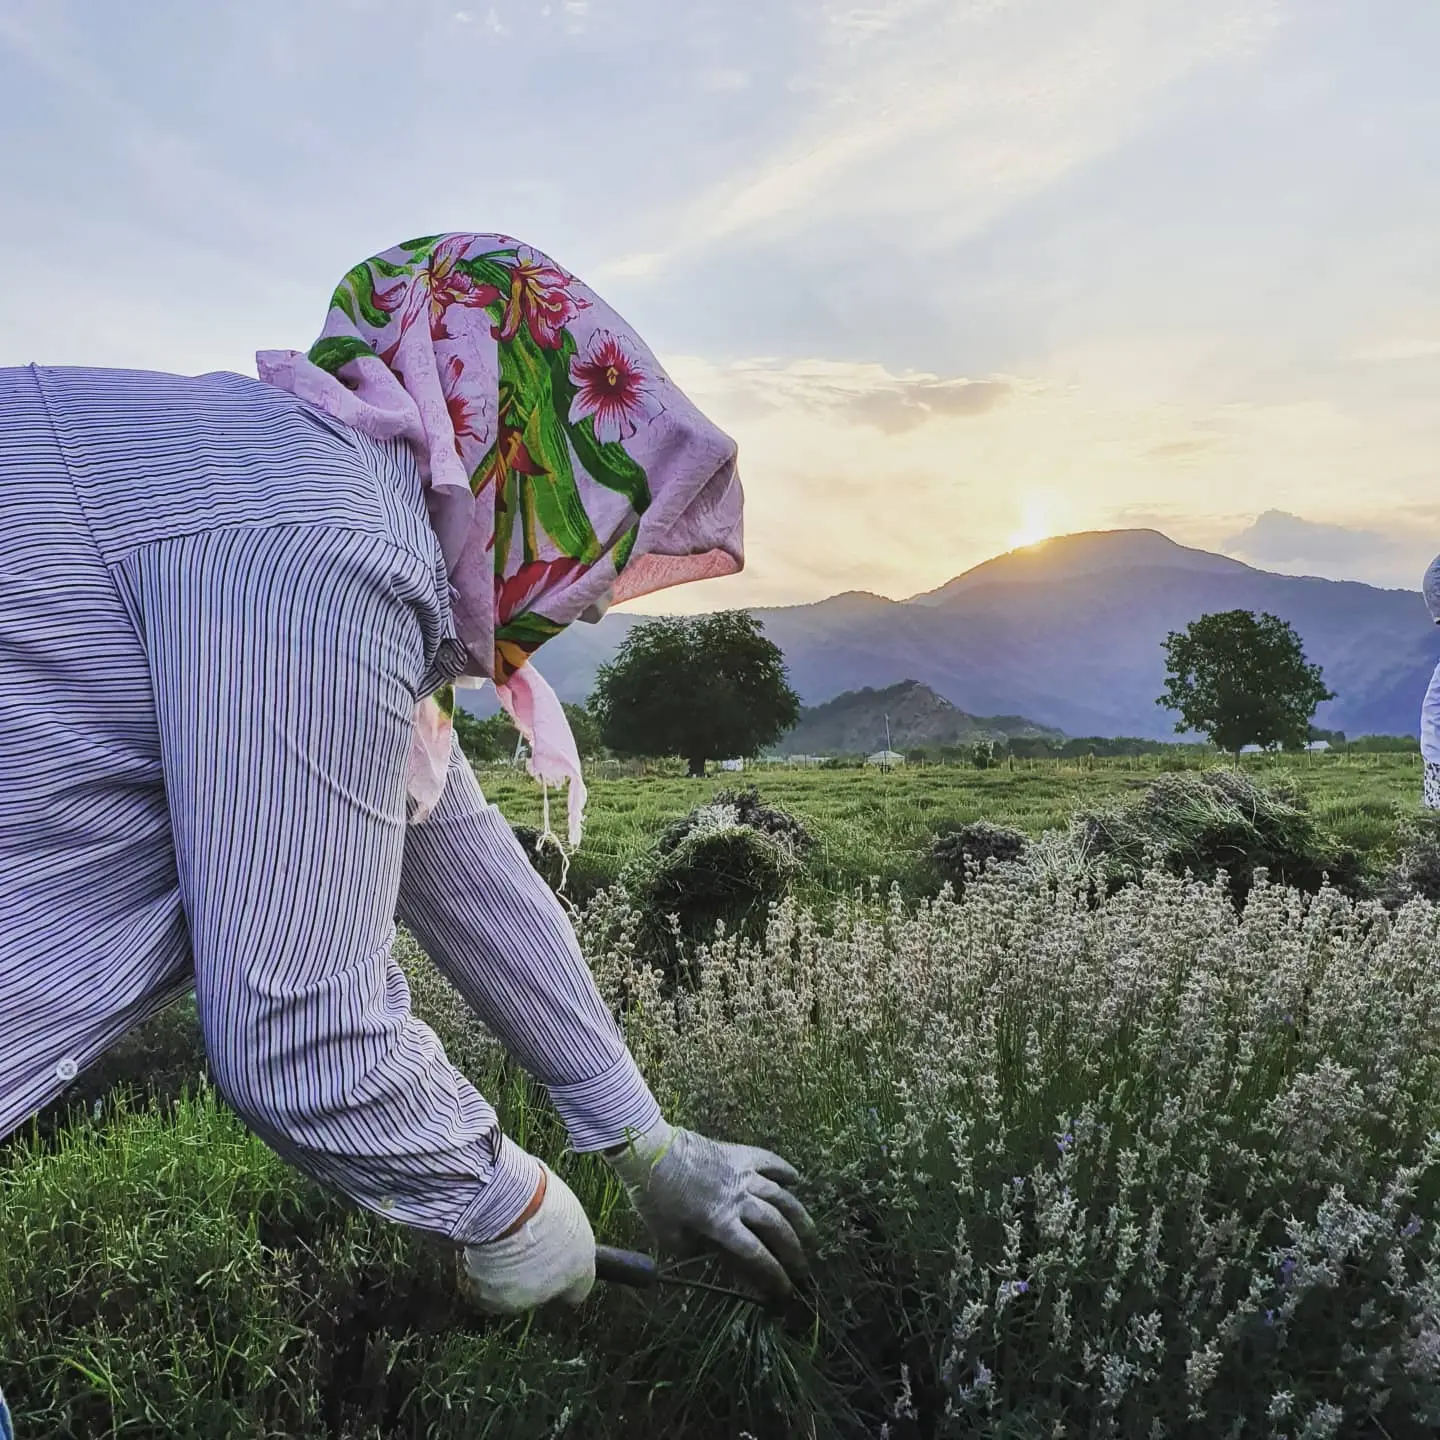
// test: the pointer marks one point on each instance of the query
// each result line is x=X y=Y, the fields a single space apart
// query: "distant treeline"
x=1379 y=745
x=1106 y=747
x=494 y=740
x=996 y=752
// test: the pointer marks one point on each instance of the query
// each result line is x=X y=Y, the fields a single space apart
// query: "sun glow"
x=1035 y=526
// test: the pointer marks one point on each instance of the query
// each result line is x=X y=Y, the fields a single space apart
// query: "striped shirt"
x=218 y=608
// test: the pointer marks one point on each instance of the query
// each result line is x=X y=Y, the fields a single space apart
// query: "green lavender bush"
x=959 y=850
x=1204 y=822
x=1150 y=1167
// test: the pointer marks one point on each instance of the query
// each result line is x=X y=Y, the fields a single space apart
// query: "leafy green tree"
x=495 y=738
x=484 y=741
x=586 y=731
x=709 y=687
x=1242 y=679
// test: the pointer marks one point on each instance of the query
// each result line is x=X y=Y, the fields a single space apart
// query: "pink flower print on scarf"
x=436 y=287
x=540 y=293
x=612 y=385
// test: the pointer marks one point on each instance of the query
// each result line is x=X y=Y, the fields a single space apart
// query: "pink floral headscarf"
x=564 y=472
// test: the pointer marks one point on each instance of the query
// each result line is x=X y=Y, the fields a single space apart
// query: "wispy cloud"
x=867 y=394
x=1180 y=449
x=925 y=107
x=1410 y=349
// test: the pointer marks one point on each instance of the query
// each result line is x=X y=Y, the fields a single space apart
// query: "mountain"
x=855 y=723
x=1069 y=633
x=1069 y=556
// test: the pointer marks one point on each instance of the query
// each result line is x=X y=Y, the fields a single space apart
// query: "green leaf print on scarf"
x=344 y=301
x=529 y=630
x=362 y=286
x=506 y=502
x=336 y=350
x=419 y=253
x=486 y=270
x=625 y=547
x=548 y=502
x=420 y=249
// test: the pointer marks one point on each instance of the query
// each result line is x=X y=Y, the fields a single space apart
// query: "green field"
x=1130 y=1165
x=875 y=825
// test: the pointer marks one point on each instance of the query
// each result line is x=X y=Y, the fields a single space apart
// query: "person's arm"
x=486 y=918
x=1430 y=721
x=284 y=664
x=491 y=923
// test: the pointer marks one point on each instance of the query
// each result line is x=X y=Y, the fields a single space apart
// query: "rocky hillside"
x=854 y=723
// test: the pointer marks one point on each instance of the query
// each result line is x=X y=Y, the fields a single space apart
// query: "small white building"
x=888 y=759
x=732 y=764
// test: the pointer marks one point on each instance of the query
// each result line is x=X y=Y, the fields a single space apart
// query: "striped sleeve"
x=284 y=663
x=493 y=926
x=1430 y=720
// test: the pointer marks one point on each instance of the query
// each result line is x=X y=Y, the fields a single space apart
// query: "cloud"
x=725 y=80
x=907 y=404
x=953 y=113
x=869 y=394
x=1179 y=449
x=1277 y=537
x=1145 y=517
x=1412 y=349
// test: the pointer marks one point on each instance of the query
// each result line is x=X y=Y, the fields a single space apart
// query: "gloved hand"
x=690 y=1189
x=551 y=1256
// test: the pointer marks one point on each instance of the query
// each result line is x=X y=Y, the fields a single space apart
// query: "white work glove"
x=550 y=1257
x=689 y=1189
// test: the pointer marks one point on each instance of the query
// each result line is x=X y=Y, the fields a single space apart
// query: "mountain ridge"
x=1069 y=634
x=1083 y=553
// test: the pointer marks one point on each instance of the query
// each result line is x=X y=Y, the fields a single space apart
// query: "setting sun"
x=1035 y=526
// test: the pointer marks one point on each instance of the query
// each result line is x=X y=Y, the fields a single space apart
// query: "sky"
x=956 y=276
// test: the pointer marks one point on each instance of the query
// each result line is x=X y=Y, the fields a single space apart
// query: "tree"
x=586 y=732
x=484 y=741
x=1242 y=679
x=496 y=737
x=711 y=687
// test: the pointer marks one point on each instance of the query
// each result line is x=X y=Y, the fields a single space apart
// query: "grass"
x=1136 y=1167
x=164 y=1274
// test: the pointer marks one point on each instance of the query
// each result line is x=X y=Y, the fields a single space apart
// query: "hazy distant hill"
x=1068 y=633
x=855 y=723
